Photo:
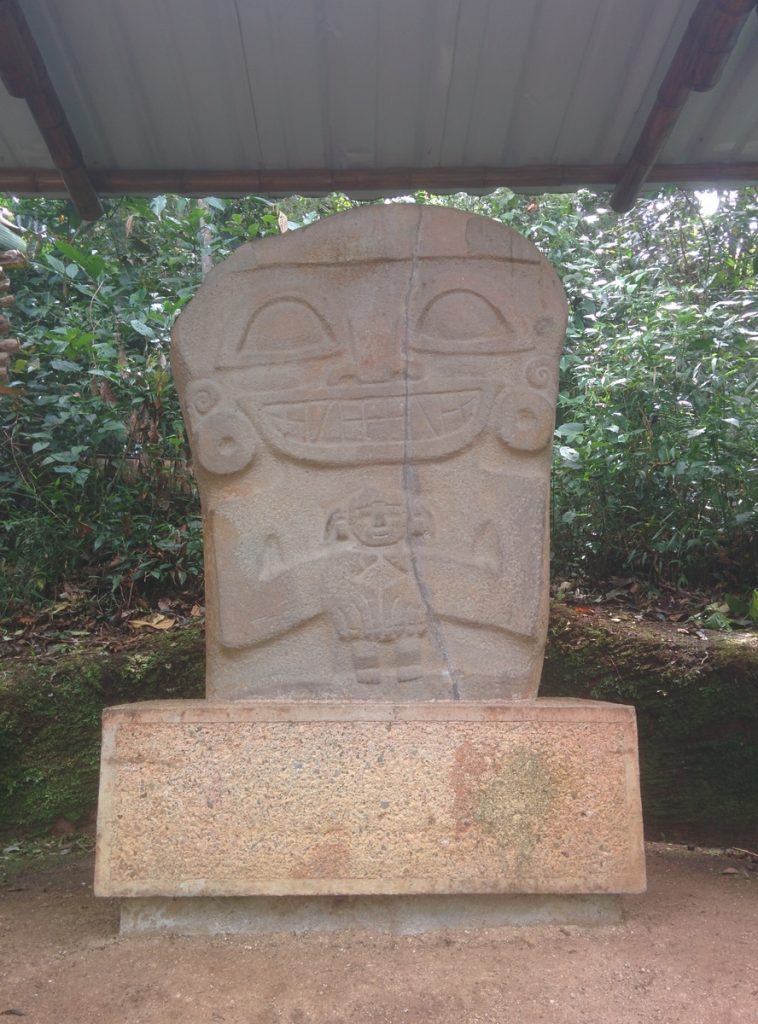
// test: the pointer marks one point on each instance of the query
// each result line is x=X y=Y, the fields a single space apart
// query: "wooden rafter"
x=25 y=76
x=708 y=40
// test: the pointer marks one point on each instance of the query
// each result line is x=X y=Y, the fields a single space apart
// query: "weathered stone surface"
x=370 y=403
x=241 y=798
x=401 y=915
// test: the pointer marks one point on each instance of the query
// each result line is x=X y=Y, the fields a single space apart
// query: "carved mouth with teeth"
x=373 y=423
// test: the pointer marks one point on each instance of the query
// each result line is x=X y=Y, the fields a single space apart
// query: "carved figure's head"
x=376 y=522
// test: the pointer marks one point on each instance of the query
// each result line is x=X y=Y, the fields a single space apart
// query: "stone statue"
x=370 y=403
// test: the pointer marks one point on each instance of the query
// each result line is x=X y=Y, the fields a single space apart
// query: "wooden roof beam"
x=23 y=71
x=37 y=181
x=708 y=40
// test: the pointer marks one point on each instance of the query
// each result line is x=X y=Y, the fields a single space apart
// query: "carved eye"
x=462 y=321
x=280 y=330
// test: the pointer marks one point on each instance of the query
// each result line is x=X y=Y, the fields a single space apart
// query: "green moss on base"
x=516 y=804
x=697 y=715
x=50 y=714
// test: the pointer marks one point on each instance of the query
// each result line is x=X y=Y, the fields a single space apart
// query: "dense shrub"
x=95 y=489
x=655 y=461
x=655 y=467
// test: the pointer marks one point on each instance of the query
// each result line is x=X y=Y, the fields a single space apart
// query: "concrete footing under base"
x=400 y=915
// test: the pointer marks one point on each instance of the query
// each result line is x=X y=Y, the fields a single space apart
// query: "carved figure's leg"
x=408 y=659
x=366 y=662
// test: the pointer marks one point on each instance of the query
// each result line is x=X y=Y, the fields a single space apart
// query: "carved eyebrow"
x=463 y=321
x=309 y=336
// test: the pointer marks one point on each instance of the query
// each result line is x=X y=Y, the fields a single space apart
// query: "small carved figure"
x=378 y=604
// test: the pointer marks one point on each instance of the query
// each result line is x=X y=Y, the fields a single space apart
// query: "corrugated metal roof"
x=722 y=124
x=363 y=84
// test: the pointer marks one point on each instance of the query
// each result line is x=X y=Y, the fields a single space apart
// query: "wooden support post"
x=706 y=44
x=25 y=76
x=8 y=346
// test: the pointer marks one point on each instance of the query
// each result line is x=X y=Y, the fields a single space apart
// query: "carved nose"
x=378 y=358
x=372 y=364
x=372 y=369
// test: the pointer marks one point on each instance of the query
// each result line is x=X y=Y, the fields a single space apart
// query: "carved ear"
x=336 y=526
x=224 y=441
x=421 y=524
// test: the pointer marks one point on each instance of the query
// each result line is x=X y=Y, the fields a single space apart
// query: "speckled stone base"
x=202 y=798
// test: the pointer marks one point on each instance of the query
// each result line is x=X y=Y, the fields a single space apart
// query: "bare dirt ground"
x=687 y=952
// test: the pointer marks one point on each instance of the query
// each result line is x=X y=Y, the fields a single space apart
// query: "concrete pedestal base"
x=400 y=915
x=213 y=799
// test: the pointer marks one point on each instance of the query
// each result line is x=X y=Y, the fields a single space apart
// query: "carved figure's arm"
x=489 y=584
x=264 y=604
x=466 y=592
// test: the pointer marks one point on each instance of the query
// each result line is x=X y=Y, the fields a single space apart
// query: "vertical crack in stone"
x=411 y=488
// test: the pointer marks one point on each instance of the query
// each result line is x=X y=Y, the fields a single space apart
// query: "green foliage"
x=655 y=456
x=734 y=610
x=655 y=460
x=50 y=720
x=95 y=490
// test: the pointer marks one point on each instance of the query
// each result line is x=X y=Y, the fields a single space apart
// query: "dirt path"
x=687 y=953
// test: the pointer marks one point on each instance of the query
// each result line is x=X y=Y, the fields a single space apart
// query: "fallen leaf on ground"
x=156 y=621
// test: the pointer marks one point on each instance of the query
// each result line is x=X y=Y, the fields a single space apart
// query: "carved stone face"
x=342 y=376
x=406 y=356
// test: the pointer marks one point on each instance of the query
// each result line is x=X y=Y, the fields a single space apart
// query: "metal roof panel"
x=248 y=85
x=21 y=144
